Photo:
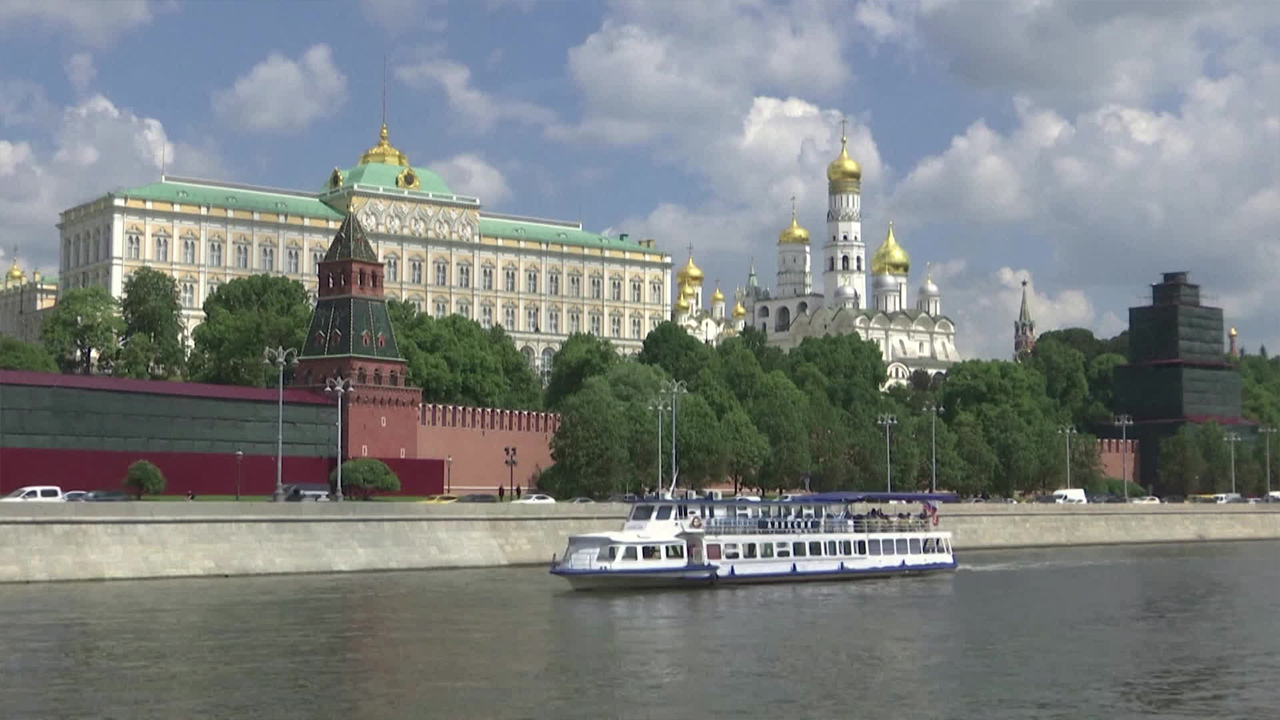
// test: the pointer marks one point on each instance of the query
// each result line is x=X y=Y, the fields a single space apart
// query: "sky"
x=1085 y=147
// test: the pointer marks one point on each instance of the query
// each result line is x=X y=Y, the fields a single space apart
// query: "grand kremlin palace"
x=542 y=280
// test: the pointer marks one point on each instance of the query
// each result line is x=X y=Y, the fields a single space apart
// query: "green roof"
x=546 y=232
x=353 y=326
x=231 y=196
x=350 y=243
x=385 y=174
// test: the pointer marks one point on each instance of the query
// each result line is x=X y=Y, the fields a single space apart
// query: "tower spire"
x=1024 y=329
x=384 y=90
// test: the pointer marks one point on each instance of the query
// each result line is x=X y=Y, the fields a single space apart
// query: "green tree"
x=1181 y=463
x=455 y=360
x=747 y=448
x=243 y=318
x=144 y=478
x=589 y=449
x=580 y=358
x=83 y=324
x=401 y=314
x=1063 y=370
x=363 y=477
x=779 y=410
x=18 y=355
x=675 y=351
x=852 y=368
x=151 y=309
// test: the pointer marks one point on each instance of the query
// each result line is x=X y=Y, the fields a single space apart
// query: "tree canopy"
x=243 y=318
x=455 y=360
x=82 y=327
x=18 y=355
x=153 y=346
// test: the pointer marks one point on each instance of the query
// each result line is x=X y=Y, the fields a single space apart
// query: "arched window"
x=361 y=378
x=395 y=379
x=361 y=277
x=783 y=321
x=844 y=262
x=845 y=238
x=831 y=263
x=859 y=263
x=377 y=376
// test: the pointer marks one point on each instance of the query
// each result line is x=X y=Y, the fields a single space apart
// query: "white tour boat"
x=672 y=542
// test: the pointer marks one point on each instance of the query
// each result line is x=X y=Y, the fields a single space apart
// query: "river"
x=1172 y=631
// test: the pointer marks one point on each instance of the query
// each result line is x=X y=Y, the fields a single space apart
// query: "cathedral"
x=910 y=338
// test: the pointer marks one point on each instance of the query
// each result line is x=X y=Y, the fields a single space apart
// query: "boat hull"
x=637 y=579
x=716 y=576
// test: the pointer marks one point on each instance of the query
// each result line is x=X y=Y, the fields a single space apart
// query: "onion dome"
x=1232 y=333
x=384 y=152
x=690 y=273
x=682 y=305
x=846 y=292
x=793 y=234
x=890 y=258
x=844 y=174
x=15 y=273
x=688 y=291
x=928 y=288
x=739 y=312
x=717 y=296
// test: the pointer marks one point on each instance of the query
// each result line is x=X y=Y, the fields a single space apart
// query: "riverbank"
x=94 y=541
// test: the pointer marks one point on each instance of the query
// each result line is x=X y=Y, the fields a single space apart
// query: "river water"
x=1174 y=631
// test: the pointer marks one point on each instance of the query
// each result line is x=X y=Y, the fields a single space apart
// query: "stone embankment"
x=91 y=541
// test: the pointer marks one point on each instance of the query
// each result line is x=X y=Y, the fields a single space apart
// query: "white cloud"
x=23 y=103
x=95 y=23
x=280 y=94
x=81 y=71
x=481 y=110
x=469 y=174
x=400 y=16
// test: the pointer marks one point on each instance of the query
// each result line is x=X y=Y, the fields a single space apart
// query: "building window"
x=509 y=279
x=655 y=292
x=531 y=281
x=595 y=324
x=615 y=289
x=653 y=323
x=213 y=288
x=268 y=259
x=553 y=283
x=635 y=327
x=294 y=260
x=464 y=309
x=486 y=316
x=442 y=272
x=133 y=243
x=317 y=257
x=464 y=275
x=531 y=319
x=215 y=254
x=189 y=252
x=188 y=294
x=97 y=246
x=393 y=268
x=575 y=322
x=242 y=257
x=162 y=249
x=416 y=304
x=509 y=317
x=615 y=326
x=575 y=285
x=597 y=288
x=637 y=291
x=415 y=271
x=486 y=277
x=442 y=308
x=553 y=321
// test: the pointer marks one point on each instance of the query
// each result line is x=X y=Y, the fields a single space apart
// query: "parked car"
x=535 y=499
x=107 y=496
x=478 y=498
x=316 y=492
x=1145 y=500
x=74 y=495
x=35 y=493
x=623 y=498
x=581 y=500
x=440 y=499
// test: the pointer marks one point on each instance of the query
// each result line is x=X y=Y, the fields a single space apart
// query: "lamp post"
x=280 y=357
x=1067 y=431
x=675 y=388
x=1232 y=439
x=339 y=386
x=511 y=463
x=239 y=461
x=934 y=411
x=1123 y=422
x=1267 y=432
x=887 y=421
x=658 y=407
x=448 y=483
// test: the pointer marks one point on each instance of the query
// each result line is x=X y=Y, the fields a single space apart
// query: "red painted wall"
x=1117 y=460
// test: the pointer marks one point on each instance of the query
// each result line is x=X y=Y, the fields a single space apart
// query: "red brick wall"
x=1117 y=460
x=382 y=422
x=475 y=438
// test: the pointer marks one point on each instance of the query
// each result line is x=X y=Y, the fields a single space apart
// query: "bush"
x=365 y=476
x=144 y=478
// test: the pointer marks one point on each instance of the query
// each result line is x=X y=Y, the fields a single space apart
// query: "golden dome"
x=739 y=312
x=793 y=234
x=717 y=296
x=890 y=258
x=383 y=152
x=690 y=273
x=688 y=291
x=15 y=273
x=1232 y=333
x=844 y=170
x=682 y=305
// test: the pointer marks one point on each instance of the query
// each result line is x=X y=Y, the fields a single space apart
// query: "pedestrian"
x=502 y=493
x=517 y=492
x=191 y=495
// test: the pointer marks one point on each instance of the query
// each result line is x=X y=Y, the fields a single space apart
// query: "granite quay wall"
x=88 y=541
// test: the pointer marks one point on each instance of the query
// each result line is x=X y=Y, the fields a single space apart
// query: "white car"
x=1145 y=500
x=35 y=493
x=534 y=499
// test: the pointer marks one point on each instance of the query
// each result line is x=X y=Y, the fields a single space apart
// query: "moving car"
x=35 y=493
x=478 y=498
x=107 y=496
x=440 y=499
x=535 y=499
x=1145 y=500
x=1069 y=496
x=74 y=495
x=316 y=492
x=581 y=500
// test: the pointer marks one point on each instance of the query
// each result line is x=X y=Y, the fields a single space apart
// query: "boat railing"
x=792 y=526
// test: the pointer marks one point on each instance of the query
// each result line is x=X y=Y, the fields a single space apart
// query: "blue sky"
x=1083 y=146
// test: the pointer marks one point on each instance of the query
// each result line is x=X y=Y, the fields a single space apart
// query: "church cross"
x=793 y=207
x=690 y=249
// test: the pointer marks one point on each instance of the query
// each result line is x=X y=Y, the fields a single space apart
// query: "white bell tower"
x=844 y=261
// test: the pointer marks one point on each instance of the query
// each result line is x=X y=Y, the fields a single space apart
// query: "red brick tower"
x=351 y=335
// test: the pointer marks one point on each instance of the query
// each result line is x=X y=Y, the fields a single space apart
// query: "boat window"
x=947 y=545
x=928 y=545
x=831 y=548
x=797 y=549
x=874 y=547
x=664 y=512
x=766 y=550
x=675 y=552
x=629 y=552
x=902 y=546
x=846 y=547
x=815 y=549
x=886 y=546
x=862 y=547
x=651 y=552
x=613 y=552
x=784 y=550
x=713 y=551
x=749 y=550
x=915 y=546
x=642 y=512
x=731 y=551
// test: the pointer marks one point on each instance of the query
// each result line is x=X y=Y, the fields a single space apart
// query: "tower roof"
x=350 y=243
x=890 y=258
x=1024 y=314
x=793 y=234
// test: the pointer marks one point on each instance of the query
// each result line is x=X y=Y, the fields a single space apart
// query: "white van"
x=36 y=493
x=1070 y=496
x=1224 y=498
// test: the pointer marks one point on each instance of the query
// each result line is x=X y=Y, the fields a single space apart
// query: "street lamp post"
x=1232 y=439
x=675 y=388
x=658 y=407
x=511 y=463
x=1123 y=422
x=280 y=357
x=448 y=482
x=934 y=411
x=887 y=421
x=239 y=461
x=339 y=386
x=1067 y=431
x=1267 y=432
